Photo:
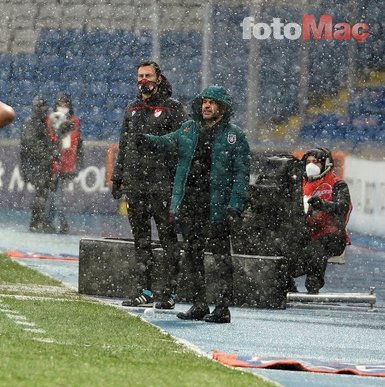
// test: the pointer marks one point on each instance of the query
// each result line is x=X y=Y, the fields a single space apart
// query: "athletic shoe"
x=146 y=299
x=44 y=227
x=166 y=304
x=291 y=286
x=64 y=227
x=196 y=312
x=221 y=314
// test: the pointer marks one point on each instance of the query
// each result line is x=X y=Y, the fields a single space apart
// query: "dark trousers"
x=39 y=214
x=200 y=236
x=141 y=208
x=312 y=260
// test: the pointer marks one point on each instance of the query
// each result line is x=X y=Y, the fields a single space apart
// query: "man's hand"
x=316 y=203
x=171 y=218
x=232 y=216
x=116 y=190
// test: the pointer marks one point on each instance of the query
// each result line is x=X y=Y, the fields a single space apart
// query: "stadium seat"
x=49 y=90
x=125 y=41
x=50 y=68
x=98 y=69
x=123 y=69
x=380 y=135
x=99 y=88
x=24 y=67
x=73 y=69
x=72 y=43
x=5 y=66
x=22 y=93
x=128 y=90
x=92 y=100
x=48 y=42
x=4 y=90
x=97 y=43
x=141 y=46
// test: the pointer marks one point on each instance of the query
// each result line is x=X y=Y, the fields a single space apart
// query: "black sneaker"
x=44 y=227
x=196 y=312
x=166 y=304
x=313 y=284
x=146 y=300
x=291 y=286
x=221 y=314
x=64 y=227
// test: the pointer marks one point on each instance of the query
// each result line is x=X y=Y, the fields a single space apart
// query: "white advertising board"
x=366 y=180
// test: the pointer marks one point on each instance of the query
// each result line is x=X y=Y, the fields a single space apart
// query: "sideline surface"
x=354 y=336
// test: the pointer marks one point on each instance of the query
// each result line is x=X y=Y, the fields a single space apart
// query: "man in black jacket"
x=36 y=156
x=146 y=180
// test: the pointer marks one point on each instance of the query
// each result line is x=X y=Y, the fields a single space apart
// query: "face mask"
x=146 y=87
x=312 y=170
x=63 y=109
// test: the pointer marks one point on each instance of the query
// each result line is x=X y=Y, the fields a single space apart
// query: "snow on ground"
x=340 y=333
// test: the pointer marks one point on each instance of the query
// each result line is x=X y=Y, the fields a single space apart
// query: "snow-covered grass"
x=53 y=337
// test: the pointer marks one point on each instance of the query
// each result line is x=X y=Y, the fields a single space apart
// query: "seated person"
x=327 y=208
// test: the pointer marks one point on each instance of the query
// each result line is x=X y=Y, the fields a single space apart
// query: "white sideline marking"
x=24 y=323
x=6 y=310
x=44 y=340
x=35 y=330
x=36 y=298
x=16 y=316
x=34 y=288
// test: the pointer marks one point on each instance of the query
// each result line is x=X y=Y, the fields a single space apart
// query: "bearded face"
x=211 y=110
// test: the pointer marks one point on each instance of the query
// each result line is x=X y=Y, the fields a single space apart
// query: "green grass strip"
x=83 y=343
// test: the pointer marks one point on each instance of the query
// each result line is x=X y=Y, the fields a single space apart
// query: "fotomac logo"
x=309 y=29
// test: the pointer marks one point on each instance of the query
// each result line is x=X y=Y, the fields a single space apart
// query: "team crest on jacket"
x=133 y=112
x=157 y=112
x=232 y=138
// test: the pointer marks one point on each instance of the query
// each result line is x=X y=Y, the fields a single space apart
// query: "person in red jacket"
x=64 y=132
x=327 y=208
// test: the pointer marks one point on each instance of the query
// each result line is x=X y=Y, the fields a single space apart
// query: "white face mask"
x=312 y=170
x=63 y=109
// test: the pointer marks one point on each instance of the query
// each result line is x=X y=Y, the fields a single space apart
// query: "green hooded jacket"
x=230 y=157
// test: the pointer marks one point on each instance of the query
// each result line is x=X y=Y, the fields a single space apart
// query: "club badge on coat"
x=157 y=112
x=232 y=138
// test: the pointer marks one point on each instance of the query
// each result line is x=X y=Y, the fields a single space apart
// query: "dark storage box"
x=106 y=269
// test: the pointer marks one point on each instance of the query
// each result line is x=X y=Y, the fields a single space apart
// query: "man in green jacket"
x=209 y=192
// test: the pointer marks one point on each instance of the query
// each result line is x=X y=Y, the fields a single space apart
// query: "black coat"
x=36 y=150
x=151 y=171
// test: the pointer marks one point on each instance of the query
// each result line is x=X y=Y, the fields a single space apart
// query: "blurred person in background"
x=327 y=207
x=64 y=132
x=36 y=157
x=145 y=182
x=209 y=194
x=7 y=114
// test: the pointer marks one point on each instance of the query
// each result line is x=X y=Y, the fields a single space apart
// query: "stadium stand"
x=90 y=48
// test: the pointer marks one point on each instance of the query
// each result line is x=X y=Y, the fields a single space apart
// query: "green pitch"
x=51 y=336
